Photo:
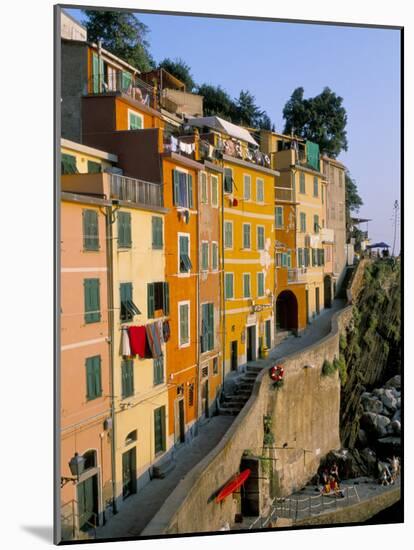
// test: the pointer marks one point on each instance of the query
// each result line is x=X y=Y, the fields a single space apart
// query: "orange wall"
x=181 y=362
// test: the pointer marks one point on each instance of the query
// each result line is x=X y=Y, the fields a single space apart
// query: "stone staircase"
x=232 y=403
x=280 y=336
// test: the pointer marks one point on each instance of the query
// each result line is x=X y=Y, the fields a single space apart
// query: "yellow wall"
x=139 y=265
x=82 y=159
x=239 y=261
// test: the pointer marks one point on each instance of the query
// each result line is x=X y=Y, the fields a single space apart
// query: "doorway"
x=233 y=355
x=250 y=491
x=251 y=343
x=87 y=494
x=327 y=291
x=287 y=311
x=179 y=421
x=129 y=473
x=204 y=399
x=268 y=333
x=317 y=304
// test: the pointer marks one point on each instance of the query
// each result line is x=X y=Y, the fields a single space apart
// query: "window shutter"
x=97 y=376
x=91 y=300
x=166 y=298
x=211 y=326
x=190 y=190
x=90 y=393
x=157 y=241
x=176 y=187
x=151 y=299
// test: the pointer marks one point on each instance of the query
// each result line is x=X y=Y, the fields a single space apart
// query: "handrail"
x=137 y=191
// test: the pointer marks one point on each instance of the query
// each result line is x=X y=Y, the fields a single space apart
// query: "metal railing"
x=117 y=82
x=297 y=274
x=284 y=194
x=136 y=191
x=70 y=522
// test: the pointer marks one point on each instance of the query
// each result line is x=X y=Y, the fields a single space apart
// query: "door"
x=204 y=399
x=268 y=331
x=179 y=427
x=307 y=306
x=317 y=300
x=327 y=292
x=234 y=364
x=87 y=493
x=251 y=343
x=129 y=460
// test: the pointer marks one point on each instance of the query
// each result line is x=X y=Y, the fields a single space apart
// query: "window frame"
x=228 y=223
x=228 y=170
x=249 y=225
x=159 y=232
x=92 y=315
x=229 y=274
x=124 y=216
x=262 y=186
x=258 y=228
x=186 y=344
x=92 y=392
x=302 y=218
x=138 y=115
x=188 y=237
x=214 y=256
x=214 y=185
x=244 y=285
x=127 y=364
x=260 y=275
x=280 y=210
x=90 y=242
x=205 y=248
x=247 y=177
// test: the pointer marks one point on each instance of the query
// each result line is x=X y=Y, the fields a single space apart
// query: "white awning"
x=217 y=123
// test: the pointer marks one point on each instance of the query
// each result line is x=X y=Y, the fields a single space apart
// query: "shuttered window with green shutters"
x=158 y=298
x=127 y=308
x=185 y=262
x=260 y=237
x=207 y=327
x=302 y=186
x=90 y=230
x=182 y=189
x=204 y=256
x=184 y=338
x=246 y=285
x=127 y=373
x=91 y=289
x=124 y=230
x=315 y=186
x=228 y=180
x=228 y=235
x=307 y=257
x=158 y=371
x=246 y=236
x=159 y=430
x=303 y=222
x=157 y=240
x=260 y=284
x=300 y=257
x=259 y=190
x=214 y=191
x=214 y=253
x=316 y=224
x=94 y=167
x=68 y=164
x=314 y=257
x=93 y=377
x=279 y=216
x=229 y=287
x=135 y=121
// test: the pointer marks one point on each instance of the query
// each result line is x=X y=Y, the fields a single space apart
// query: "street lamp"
x=76 y=466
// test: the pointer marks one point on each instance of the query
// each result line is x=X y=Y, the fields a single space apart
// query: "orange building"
x=85 y=372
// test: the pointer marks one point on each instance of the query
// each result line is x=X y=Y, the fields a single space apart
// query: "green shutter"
x=300 y=257
x=68 y=164
x=166 y=298
x=124 y=230
x=210 y=311
x=92 y=300
x=94 y=167
x=260 y=284
x=228 y=180
x=90 y=230
x=190 y=190
x=126 y=80
x=95 y=73
x=159 y=429
x=302 y=188
x=126 y=296
x=157 y=241
x=158 y=370
x=127 y=374
x=93 y=377
x=176 y=187
x=151 y=299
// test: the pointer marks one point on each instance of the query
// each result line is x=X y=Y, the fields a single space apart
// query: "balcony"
x=114 y=186
x=284 y=194
x=327 y=235
x=297 y=275
x=118 y=82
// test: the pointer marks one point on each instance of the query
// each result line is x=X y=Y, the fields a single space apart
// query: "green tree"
x=180 y=70
x=122 y=34
x=247 y=112
x=353 y=203
x=321 y=119
x=217 y=101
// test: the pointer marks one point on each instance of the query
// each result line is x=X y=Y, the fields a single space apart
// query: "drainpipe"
x=110 y=219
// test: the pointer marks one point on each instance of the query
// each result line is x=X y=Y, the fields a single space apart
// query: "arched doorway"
x=287 y=311
x=327 y=291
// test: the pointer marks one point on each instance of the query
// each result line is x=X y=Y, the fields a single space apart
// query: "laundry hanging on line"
x=125 y=343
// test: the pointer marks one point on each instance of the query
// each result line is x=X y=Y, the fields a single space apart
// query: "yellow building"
x=303 y=188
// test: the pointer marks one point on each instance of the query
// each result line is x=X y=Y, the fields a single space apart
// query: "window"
x=322 y=193
x=228 y=180
x=228 y=235
x=68 y=164
x=92 y=300
x=300 y=257
x=90 y=460
x=207 y=327
x=157 y=240
x=228 y=286
x=127 y=373
x=279 y=216
x=90 y=230
x=128 y=308
x=247 y=187
x=260 y=237
x=314 y=257
x=278 y=259
x=124 y=230
x=246 y=235
x=214 y=191
x=158 y=298
x=214 y=254
x=158 y=370
x=183 y=316
x=288 y=259
x=260 y=284
x=159 y=430
x=93 y=377
x=215 y=365
x=303 y=222
x=307 y=256
x=204 y=256
x=131 y=437
x=302 y=186
x=246 y=285
x=182 y=189
x=316 y=224
x=203 y=180
x=315 y=187
x=191 y=395
x=259 y=190
x=185 y=262
x=135 y=121
x=94 y=167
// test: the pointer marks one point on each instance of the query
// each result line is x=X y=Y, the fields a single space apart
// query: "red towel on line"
x=138 y=340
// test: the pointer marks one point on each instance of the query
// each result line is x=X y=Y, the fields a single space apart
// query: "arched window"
x=90 y=459
x=131 y=437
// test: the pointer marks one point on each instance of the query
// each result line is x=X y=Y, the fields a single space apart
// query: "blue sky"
x=270 y=59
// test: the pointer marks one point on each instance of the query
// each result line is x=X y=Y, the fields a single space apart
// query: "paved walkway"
x=138 y=510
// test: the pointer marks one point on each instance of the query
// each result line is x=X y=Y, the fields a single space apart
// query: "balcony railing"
x=117 y=81
x=297 y=275
x=284 y=194
x=137 y=191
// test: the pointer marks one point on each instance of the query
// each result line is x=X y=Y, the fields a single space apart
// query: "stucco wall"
x=305 y=415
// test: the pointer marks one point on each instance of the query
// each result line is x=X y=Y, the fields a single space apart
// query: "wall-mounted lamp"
x=76 y=466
